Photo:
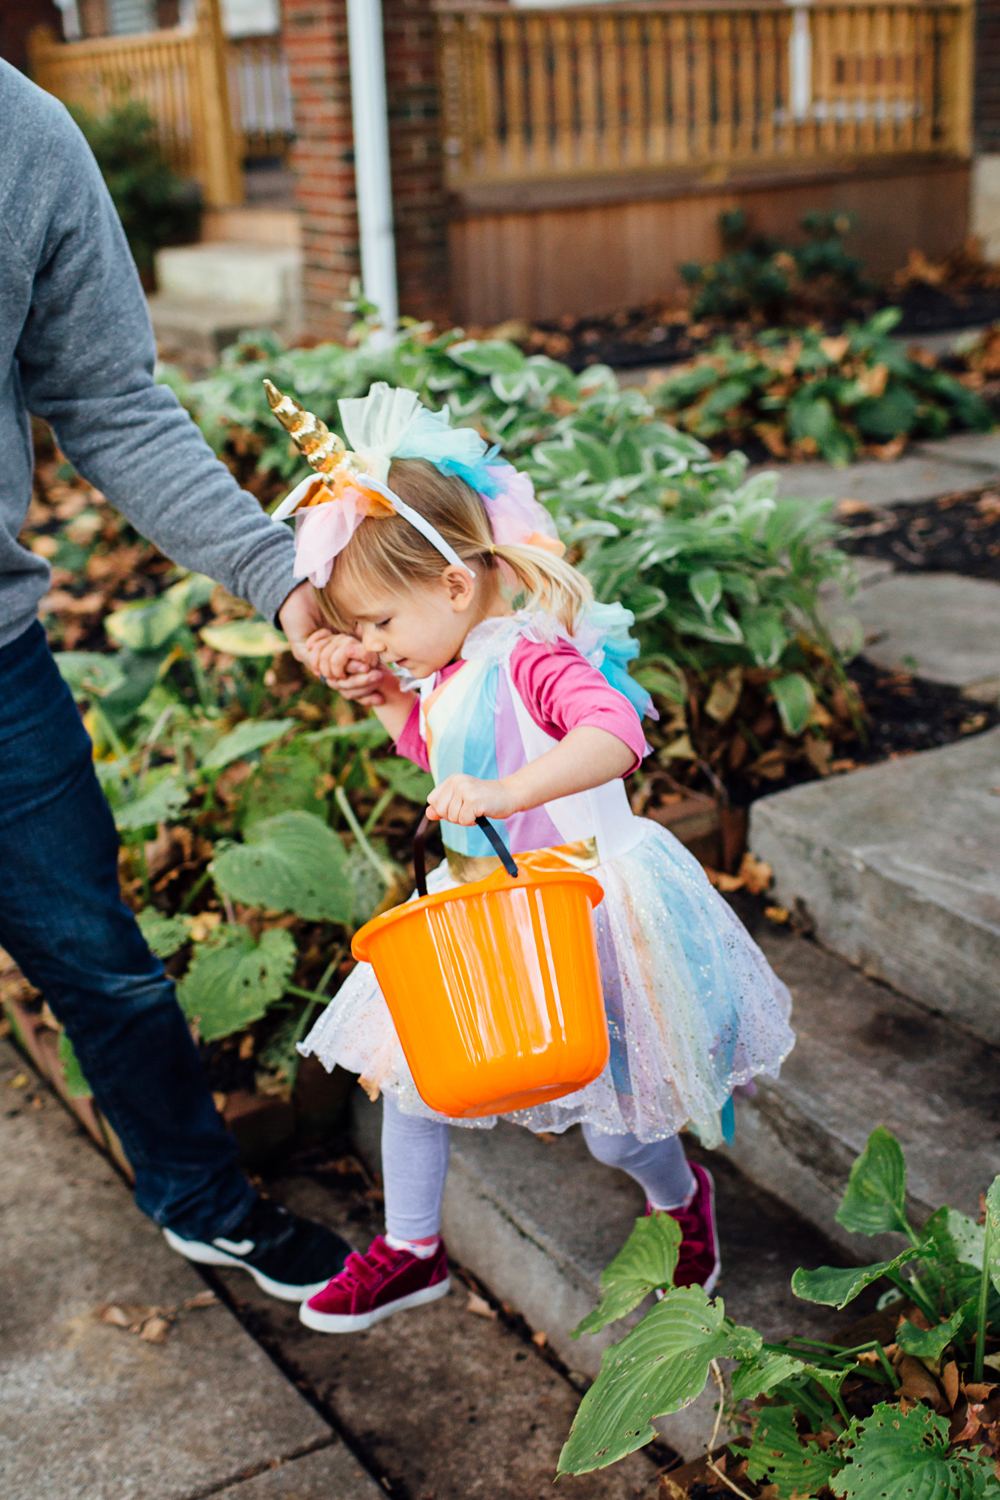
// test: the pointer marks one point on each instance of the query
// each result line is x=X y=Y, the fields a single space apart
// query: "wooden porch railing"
x=211 y=100
x=727 y=84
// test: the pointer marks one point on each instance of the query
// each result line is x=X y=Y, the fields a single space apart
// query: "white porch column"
x=371 y=158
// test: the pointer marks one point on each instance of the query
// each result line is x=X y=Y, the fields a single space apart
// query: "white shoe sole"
x=343 y=1323
x=209 y=1255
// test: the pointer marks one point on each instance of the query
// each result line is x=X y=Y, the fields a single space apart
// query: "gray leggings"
x=415 y=1164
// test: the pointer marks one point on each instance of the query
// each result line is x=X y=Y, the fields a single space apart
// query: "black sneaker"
x=288 y=1257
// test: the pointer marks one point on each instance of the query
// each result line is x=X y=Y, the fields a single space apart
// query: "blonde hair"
x=390 y=552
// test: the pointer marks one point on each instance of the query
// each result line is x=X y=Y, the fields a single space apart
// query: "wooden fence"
x=212 y=101
x=724 y=85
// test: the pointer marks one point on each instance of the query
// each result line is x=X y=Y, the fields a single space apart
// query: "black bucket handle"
x=419 y=864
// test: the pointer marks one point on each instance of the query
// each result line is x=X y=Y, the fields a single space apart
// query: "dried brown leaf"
x=479 y=1306
x=201 y=1299
x=918 y=1384
x=756 y=874
x=950 y=1381
x=155 y=1330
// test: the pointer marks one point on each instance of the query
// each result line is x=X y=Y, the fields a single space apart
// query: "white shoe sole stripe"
x=344 y=1323
x=210 y=1255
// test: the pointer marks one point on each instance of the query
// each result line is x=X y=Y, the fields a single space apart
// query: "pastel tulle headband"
x=349 y=484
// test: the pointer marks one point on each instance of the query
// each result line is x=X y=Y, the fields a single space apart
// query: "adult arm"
x=85 y=358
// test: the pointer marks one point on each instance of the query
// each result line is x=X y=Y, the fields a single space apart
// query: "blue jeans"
x=63 y=920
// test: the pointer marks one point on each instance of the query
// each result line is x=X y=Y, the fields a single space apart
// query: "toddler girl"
x=417 y=543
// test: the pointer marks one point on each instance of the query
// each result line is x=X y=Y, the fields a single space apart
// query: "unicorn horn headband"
x=349 y=484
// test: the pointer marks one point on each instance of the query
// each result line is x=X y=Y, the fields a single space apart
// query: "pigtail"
x=550 y=583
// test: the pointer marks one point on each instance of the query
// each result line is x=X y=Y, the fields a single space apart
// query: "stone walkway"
x=91 y=1412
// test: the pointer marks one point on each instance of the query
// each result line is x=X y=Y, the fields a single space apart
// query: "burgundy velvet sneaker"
x=374 y=1285
x=698 y=1263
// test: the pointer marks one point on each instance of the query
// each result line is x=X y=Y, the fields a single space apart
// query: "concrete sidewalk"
x=91 y=1412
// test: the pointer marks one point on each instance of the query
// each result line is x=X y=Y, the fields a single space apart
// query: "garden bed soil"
x=661 y=333
x=955 y=534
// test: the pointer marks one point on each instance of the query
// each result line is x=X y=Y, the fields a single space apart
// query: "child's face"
x=420 y=630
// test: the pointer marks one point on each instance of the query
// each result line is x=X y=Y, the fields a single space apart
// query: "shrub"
x=720 y=574
x=806 y=394
x=760 y=278
x=156 y=206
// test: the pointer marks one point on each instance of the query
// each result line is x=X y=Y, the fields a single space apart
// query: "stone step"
x=263 y=276
x=195 y=332
x=537 y=1219
x=941 y=626
x=898 y=868
x=962 y=461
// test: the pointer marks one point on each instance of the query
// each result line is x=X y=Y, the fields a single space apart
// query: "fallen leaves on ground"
x=152 y=1324
x=479 y=1306
x=754 y=875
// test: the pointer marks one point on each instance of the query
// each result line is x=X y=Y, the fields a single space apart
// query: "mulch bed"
x=955 y=534
x=659 y=333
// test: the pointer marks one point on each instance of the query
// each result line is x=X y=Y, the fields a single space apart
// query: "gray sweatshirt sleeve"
x=86 y=356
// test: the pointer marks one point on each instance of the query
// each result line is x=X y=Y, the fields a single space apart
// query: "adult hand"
x=300 y=617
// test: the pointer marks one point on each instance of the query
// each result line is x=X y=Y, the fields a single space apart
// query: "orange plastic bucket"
x=494 y=988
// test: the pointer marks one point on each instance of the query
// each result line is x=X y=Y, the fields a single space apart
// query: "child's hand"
x=463 y=799
x=344 y=664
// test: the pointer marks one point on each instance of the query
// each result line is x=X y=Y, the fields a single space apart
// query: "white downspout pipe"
x=369 y=111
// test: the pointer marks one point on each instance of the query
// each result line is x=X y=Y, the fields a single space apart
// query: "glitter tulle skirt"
x=693 y=1008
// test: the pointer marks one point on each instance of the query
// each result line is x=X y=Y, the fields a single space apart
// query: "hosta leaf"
x=488 y=356
x=247 y=737
x=646 y=1261
x=778 y=1456
x=149 y=625
x=897 y=1456
x=406 y=779
x=245 y=638
x=165 y=935
x=876 y=1191
x=706 y=586
x=795 y=699
x=232 y=979
x=888 y=415
x=835 y=1287
x=765 y=633
x=287 y=779
x=76 y=1085
x=291 y=862
x=364 y=733
x=760 y=1375
x=931 y=1343
x=159 y=804
x=89 y=674
x=659 y=1367
x=992 y=1267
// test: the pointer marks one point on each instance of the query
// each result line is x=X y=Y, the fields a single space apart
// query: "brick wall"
x=987 y=76
x=315 y=36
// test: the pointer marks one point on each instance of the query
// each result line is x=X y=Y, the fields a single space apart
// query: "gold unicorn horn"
x=323 y=448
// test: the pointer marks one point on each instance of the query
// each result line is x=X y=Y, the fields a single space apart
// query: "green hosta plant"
x=804 y=394
x=805 y=1438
